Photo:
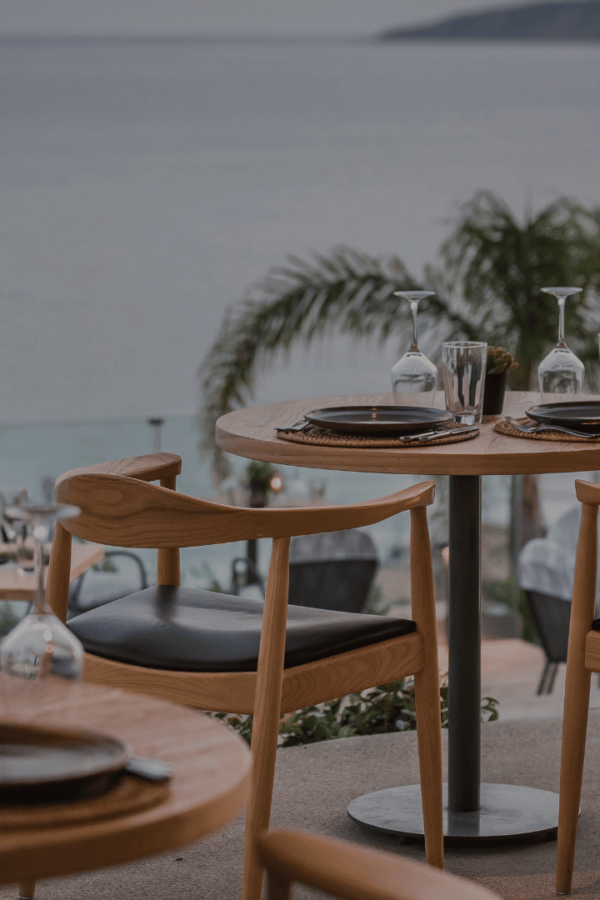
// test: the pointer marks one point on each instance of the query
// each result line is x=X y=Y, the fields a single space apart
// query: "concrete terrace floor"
x=315 y=783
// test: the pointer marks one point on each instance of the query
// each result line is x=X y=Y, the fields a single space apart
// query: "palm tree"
x=488 y=288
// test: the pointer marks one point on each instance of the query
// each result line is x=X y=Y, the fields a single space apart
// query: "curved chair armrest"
x=151 y=467
x=123 y=512
x=357 y=873
x=587 y=492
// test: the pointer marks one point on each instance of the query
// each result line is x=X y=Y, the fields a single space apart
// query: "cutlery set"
x=395 y=420
x=302 y=424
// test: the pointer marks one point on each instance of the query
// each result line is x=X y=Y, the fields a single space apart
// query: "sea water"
x=145 y=184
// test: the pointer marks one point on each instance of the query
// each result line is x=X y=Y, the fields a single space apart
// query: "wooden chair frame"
x=119 y=507
x=583 y=658
x=354 y=873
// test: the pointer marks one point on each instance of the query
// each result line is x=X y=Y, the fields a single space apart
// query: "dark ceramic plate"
x=43 y=765
x=581 y=415
x=380 y=420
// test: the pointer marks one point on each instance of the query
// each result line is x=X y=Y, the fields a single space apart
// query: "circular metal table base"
x=508 y=813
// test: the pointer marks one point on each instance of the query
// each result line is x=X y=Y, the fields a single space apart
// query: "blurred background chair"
x=546 y=571
x=202 y=649
x=107 y=581
x=327 y=571
x=355 y=873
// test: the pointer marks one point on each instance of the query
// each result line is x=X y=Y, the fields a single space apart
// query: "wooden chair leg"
x=265 y=723
x=278 y=888
x=577 y=696
x=575 y=719
x=27 y=890
x=427 y=690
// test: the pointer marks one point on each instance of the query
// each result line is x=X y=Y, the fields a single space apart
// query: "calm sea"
x=144 y=185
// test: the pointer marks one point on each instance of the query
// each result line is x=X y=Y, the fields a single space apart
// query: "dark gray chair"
x=551 y=617
x=327 y=571
x=86 y=594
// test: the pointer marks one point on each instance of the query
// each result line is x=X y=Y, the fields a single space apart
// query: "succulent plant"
x=500 y=361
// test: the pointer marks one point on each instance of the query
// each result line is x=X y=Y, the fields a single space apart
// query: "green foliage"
x=260 y=473
x=499 y=361
x=387 y=708
x=496 y=268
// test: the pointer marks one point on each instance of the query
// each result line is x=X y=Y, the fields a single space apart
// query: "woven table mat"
x=130 y=795
x=325 y=438
x=504 y=427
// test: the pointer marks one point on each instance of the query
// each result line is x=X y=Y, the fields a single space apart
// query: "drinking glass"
x=561 y=372
x=40 y=646
x=463 y=370
x=414 y=377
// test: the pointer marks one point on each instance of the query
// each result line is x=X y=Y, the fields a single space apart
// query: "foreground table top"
x=14 y=586
x=251 y=433
x=211 y=767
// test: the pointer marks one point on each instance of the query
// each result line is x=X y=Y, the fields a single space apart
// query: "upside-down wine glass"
x=40 y=646
x=561 y=372
x=414 y=377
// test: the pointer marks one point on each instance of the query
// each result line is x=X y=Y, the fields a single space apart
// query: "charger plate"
x=324 y=438
x=46 y=765
x=581 y=415
x=504 y=427
x=378 y=420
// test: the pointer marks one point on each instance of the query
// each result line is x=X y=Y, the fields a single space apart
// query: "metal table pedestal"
x=473 y=812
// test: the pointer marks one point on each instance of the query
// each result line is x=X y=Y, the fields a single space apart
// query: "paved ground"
x=315 y=783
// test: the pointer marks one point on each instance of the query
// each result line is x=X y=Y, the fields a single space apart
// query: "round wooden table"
x=210 y=783
x=475 y=812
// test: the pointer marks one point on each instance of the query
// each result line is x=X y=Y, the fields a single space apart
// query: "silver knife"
x=429 y=435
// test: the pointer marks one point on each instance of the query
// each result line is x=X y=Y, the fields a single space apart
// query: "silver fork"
x=537 y=428
x=300 y=425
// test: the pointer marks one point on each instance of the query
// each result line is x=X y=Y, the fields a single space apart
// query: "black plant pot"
x=493 y=394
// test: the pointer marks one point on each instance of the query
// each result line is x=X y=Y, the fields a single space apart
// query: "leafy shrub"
x=387 y=708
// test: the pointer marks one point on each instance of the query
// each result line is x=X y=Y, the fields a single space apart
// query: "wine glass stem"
x=414 y=306
x=561 y=321
x=40 y=607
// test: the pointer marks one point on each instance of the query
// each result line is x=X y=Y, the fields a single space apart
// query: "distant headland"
x=575 y=20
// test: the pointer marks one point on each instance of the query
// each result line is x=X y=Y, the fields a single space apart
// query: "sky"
x=221 y=17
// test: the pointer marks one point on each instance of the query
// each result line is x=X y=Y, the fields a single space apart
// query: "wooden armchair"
x=201 y=649
x=583 y=658
x=354 y=873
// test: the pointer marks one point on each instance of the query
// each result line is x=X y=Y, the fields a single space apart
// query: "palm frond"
x=348 y=292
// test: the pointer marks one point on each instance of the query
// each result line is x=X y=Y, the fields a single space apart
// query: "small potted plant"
x=499 y=363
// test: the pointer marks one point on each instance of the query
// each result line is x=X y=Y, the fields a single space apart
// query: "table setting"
x=474 y=378
x=282 y=433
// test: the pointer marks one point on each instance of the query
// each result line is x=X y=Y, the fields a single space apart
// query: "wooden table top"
x=14 y=586
x=251 y=433
x=211 y=773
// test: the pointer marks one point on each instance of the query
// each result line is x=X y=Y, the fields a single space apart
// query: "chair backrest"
x=127 y=512
x=124 y=510
x=355 y=873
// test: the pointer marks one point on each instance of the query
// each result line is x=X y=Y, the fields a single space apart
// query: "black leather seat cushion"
x=188 y=630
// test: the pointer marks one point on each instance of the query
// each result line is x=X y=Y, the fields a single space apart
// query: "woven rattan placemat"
x=326 y=438
x=504 y=427
x=130 y=795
